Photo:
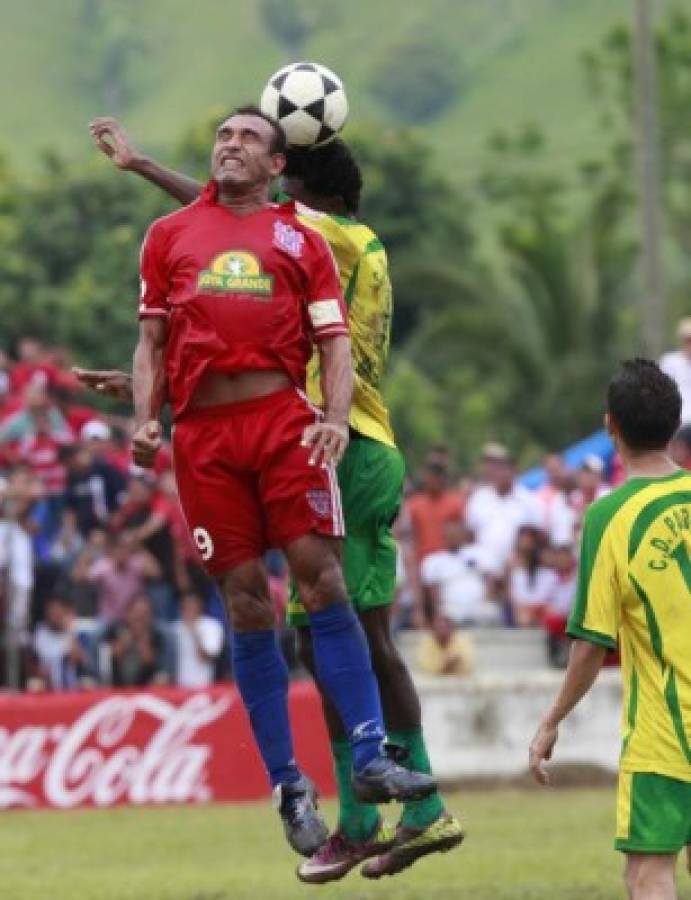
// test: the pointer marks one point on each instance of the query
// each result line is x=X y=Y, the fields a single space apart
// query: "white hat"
x=593 y=463
x=94 y=429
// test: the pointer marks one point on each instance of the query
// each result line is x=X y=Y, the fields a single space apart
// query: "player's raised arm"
x=113 y=141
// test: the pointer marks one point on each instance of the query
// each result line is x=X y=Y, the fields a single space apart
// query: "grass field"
x=521 y=845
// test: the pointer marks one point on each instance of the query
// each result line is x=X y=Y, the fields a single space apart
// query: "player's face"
x=242 y=155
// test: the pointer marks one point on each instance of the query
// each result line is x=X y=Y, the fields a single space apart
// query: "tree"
x=417 y=79
x=293 y=22
x=108 y=47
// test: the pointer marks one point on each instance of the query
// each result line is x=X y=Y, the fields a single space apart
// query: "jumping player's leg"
x=651 y=876
x=224 y=514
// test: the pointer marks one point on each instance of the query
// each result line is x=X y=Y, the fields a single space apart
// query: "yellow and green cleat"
x=411 y=844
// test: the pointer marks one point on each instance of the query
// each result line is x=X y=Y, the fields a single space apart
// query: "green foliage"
x=107 y=47
x=417 y=79
x=293 y=22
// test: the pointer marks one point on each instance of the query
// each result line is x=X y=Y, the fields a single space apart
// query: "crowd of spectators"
x=101 y=583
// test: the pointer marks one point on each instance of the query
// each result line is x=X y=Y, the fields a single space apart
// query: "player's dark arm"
x=585 y=661
x=148 y=384
x=329 y=438
x=112 y=140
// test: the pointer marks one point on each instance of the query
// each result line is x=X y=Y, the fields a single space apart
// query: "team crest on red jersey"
x=236 y=272
x=320 y=502
x=288 y=238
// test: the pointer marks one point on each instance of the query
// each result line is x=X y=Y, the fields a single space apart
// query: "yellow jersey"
x=364 y=273
x=635 y=592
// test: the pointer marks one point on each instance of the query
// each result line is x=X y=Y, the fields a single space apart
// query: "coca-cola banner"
x=163 y=745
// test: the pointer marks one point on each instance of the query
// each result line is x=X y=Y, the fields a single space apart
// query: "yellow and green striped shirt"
x=364 y=273
x=635 y=592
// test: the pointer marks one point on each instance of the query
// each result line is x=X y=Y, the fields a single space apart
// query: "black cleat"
x=297 y=806
x=384 y=779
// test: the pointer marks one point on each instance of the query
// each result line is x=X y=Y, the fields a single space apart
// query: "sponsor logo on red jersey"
x=236 y=272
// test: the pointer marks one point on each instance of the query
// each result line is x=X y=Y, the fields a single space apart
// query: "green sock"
x=417 y=813
x=356 y=820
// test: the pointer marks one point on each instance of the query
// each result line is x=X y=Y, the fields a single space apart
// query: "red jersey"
x=239 y=292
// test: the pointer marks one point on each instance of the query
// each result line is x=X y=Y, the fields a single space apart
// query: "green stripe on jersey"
x=650 y=513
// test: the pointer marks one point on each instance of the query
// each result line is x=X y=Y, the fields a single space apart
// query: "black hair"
x=645 y=405
x=328 y=171
x=279 y=142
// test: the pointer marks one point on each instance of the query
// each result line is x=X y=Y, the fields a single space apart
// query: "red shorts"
x=245 y=481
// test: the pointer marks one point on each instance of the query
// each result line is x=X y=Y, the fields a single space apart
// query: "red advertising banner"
x=162 y=745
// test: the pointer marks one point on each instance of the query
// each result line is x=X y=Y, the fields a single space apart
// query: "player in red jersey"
x=235 y=290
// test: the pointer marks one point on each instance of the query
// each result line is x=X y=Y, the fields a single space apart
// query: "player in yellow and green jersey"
x=326 y=185
x=634 y=594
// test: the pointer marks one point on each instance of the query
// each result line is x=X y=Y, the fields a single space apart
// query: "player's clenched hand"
x=146 y=443
x=108 y=382
x=328 y=441
x=541 y=750
x=112 y=139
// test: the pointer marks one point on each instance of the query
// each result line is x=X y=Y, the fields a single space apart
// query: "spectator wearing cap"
x=499 y=507
x=95 y=488
x=677 y=364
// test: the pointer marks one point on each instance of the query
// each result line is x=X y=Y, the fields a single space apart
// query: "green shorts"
x=653 y=813
x=371 y=480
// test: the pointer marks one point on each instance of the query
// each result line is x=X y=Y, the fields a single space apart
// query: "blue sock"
x=262 y=679
x=344 y=667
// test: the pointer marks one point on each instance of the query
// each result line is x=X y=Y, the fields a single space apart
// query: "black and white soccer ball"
x=308 y=100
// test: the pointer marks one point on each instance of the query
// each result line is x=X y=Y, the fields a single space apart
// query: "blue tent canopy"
x=600 y=444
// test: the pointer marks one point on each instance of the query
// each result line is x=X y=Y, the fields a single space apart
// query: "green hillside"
x=516 y=59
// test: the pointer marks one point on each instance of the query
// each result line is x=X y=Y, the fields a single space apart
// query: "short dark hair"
x=645 y=405
x=279 y=142
x=328 y=171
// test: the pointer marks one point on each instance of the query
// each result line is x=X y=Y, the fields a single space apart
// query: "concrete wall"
x=482 y=725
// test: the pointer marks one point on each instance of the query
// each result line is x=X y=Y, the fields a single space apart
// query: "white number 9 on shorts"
x=205 y=545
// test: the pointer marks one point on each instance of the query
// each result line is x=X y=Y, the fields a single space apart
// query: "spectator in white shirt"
x=531 y=583
x=497 y=510
x=199 y=641
x=455 y=580
x=62 y=651
x=558 y=517
x=590 y=487
x=677 y=364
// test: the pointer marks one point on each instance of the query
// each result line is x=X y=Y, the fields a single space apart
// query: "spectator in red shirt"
x=33 y=366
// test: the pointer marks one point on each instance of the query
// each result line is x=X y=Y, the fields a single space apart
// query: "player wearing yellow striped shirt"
x=326 y=184
x=634 y=593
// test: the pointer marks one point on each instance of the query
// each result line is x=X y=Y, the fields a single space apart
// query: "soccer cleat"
x=303 y=825
x=383 y=779
x=411 y=844
x=339 y=855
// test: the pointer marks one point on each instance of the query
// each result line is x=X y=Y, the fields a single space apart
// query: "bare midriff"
x=216 y=388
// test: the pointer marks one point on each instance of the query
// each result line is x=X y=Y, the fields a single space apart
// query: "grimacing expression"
x=242 y=155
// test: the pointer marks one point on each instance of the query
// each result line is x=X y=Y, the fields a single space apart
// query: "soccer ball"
x=308 y=100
